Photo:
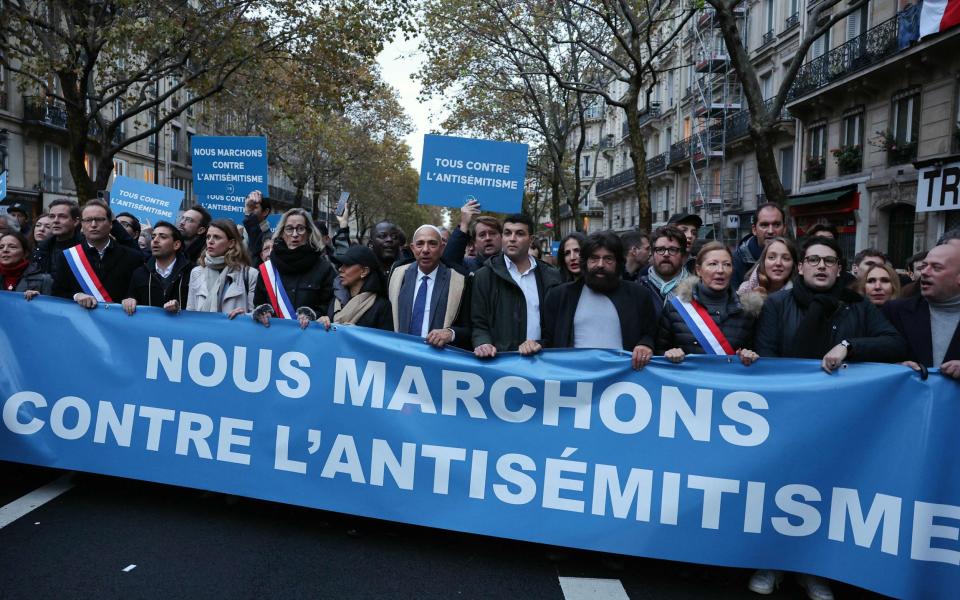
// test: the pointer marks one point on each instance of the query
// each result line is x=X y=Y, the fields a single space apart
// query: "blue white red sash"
x=282 y=306
x=702 y=326
x=86 y=276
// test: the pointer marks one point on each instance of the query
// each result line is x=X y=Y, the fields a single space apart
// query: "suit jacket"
x=115 y=270
x=911 y=317
x=444 y=307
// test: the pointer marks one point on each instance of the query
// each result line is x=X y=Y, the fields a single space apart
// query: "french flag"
x=938 y=15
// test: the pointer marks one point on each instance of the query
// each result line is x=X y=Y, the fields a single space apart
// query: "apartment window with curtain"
x=175 y=144
x=901 y=142
x=52 y=166
x=786 y=168
x=120 y=167
x=738 y=180
x=766 y=85
x=816 y=152
x=769 y=10
x=821 y=45
x=849 y=155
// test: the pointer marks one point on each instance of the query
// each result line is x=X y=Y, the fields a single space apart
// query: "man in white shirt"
x=508 y=292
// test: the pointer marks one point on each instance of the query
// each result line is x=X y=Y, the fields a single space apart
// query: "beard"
x=600 y=280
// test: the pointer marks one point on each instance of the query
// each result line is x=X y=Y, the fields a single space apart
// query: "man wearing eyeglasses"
x=820 y=318
x=111 y=262
x=668 y=270
x=601 y=310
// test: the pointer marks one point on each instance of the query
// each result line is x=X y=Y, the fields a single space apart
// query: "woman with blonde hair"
x=879 y=284
x=774 y=269
x=223 y=281
x=297 y=281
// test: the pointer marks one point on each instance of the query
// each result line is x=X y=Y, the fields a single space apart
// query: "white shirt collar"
x=432 y=275
x=511 y=266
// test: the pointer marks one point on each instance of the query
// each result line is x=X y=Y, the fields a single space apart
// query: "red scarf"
x=11 y=275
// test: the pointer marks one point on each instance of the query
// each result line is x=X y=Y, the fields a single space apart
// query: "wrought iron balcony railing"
x=768 y=37
x=738 y=124
x=859 y=53
x=53 y=113
x=792 y=21
x=655 y=165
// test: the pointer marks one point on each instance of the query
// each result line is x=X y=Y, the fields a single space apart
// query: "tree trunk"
x=638 y=154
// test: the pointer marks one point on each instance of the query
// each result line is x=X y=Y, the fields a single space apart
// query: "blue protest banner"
x=274 y=220
x=3 y=185
x=148 y=202
x=225 y=170
x=555 y=248
x=454 y=170
x=853 y=476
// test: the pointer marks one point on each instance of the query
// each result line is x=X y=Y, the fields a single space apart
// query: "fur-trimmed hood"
x=750 y=302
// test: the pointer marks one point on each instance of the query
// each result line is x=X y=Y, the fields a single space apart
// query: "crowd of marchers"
x=488 y=286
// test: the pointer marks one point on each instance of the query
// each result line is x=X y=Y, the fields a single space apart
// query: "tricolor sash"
x=86 y=276
x=282 y=306
x=702 y=326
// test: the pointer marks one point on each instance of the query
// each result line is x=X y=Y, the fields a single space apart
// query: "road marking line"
x=129 y=568
x=588 y=588
x=35 y=499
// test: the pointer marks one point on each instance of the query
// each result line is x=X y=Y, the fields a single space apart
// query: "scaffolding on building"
x=716 y=95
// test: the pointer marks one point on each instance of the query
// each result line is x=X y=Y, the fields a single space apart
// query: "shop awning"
x=828 y=196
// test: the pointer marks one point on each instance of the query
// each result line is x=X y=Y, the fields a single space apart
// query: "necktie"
x=419 y=306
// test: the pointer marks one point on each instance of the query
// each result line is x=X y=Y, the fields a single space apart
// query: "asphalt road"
x=114 y=538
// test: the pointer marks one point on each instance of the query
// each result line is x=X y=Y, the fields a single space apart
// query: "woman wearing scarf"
x=368 y=305
x=17 y=272
x=706 y=316
x=297 y=281
x=223 y=281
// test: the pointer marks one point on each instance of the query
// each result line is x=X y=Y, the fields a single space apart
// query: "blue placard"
x=555 y=248
x=148 y=202
x=273 y=220
x=455 y=170
x=853 y=475
x=225 y=170
x=3 y=185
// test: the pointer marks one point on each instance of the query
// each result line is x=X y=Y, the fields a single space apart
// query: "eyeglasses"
x=187 y=220
x=97 y=220
x=294 y=229
x=814 y=260
x=664 y=250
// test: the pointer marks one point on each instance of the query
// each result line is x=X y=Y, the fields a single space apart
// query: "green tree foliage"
x=108 y=62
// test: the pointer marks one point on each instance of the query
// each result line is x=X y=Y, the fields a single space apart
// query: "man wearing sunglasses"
x=819 y=318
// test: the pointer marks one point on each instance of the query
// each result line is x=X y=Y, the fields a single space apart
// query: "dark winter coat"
x=911 y=317
x=456 y=248
x=498 y=308
x=745 y=256
x=115 y=270
x=872 y=338
x=309 y=284
x=737 y=326
x=634 y=308
x=149 y=289
x=33 y=279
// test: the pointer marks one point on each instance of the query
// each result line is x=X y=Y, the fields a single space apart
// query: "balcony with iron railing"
x=652 y=113
x=873 y=47
x=791 y=22
x=655 y=165
x=175 y=154
x=40 y=110
x=594 y=113
x=768 y=38
x=738 y=124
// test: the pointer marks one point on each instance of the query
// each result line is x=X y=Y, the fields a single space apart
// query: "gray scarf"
x=667 y=287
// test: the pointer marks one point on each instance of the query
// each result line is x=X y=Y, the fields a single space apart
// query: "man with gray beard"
x=601 y=310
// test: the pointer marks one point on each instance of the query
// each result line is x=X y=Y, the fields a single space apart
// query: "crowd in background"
x=490 y=285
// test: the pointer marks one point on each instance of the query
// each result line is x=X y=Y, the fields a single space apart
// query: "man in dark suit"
x=601 y=310
x=929 y=322
x=111 y=263
x=428 y=298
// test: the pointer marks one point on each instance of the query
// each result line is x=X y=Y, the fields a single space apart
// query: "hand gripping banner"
x=854 y=476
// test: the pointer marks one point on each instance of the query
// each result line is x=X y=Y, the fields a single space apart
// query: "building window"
x=51 y=168
x=738 y=181
x=3 y=88
x=816 y=164
x=786 y=169
x=849 y=155
x=586 y=166
x=901 y=142
x=820 y=45
x=119 y=167
x=117 y=112
x=175 y=144
x=670 y=80
x=766 y=86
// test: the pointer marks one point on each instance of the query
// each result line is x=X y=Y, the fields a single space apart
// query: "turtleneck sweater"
x=944 y=318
